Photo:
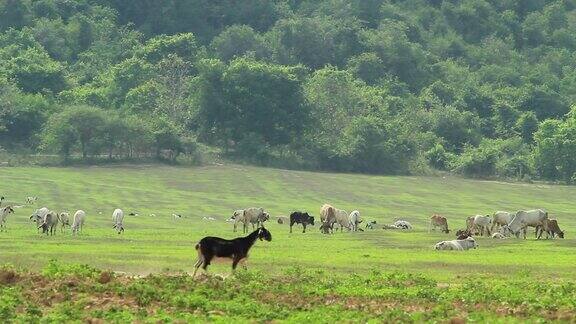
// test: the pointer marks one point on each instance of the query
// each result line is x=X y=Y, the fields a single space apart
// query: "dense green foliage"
x=64 y=293
x=480 y=87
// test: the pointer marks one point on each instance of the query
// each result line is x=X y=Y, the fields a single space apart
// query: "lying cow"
x=438 y=221
x=402 y=224
x=458 y=245
x=463 y=234
x=301 y=218
x=499 y=236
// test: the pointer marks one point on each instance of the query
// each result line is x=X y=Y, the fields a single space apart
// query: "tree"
x=236 y=41
x=75 y=125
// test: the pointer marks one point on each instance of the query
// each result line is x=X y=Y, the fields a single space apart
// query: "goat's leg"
x=235 y=262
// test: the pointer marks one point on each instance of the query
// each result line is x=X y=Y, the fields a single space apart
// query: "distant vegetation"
x=480 y=87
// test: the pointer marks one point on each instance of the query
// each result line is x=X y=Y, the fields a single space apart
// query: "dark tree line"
x=480 y=87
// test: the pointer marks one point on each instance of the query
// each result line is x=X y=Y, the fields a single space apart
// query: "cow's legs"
x=303 y=231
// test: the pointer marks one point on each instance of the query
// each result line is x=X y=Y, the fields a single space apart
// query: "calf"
x=354 y=220
x=237 y=249
x=438 y=221
x=118 y=220
x=4 y=215
x=463 y=234
x=553 y=229
x=301 y=218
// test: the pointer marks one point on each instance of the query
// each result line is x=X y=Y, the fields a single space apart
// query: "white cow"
x=522 y=219
x=254 y=216
x=78 y=223
x=38 y=216
x=458 y=245
x=3 y=215
x=501 y=218
x=354 y=220
x=118 y=220
x=342 y=219
x=482 y=223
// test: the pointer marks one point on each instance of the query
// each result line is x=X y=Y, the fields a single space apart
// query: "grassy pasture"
x=152 y=244
x=374 y=275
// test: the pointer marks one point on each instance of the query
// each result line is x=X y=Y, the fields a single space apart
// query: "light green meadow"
x=160 y=243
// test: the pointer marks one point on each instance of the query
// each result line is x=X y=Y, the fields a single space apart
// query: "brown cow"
x=438 y=221
x=327 y=218
x=553 y=229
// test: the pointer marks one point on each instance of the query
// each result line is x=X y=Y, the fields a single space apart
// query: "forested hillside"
x=479 y=87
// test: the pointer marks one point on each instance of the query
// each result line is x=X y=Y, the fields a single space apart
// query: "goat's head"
x=264 y=234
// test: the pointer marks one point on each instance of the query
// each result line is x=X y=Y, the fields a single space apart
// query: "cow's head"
x=446 y=230
x=310 y=219
x=440 y=245
x=561 y=234
x=471 y=239
x=9 y=210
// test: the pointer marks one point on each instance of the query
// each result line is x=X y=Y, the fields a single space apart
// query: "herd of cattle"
x=500 y=225
x=49 y=220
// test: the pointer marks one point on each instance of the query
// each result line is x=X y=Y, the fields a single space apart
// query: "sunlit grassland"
x=153 y=244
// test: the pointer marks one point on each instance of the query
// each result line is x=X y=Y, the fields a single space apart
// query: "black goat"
x=236 y=249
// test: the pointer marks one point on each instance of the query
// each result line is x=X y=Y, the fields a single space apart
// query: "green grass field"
x=162 y=244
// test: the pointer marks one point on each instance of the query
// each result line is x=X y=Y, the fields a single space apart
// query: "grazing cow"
x=522 y=219
x=354 y=220
x=499 y=235
x=438 y=221
x=118 y=220
x=501 y=218
x=38 y=216
x=458 y=245
x=371 y=224
x=237 y=249
x=3 y=215
x=402 y=224
x=342 y=219
x=328 y=218
x=301 y=218
x=553 y=229
x=49 y=223
x=31 y=200
x=64 y=220
x=78 y=222
x=463 y=234
x=482 y=223
x=254 y=216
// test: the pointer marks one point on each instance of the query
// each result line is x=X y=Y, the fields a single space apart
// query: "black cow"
x=301 y=218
